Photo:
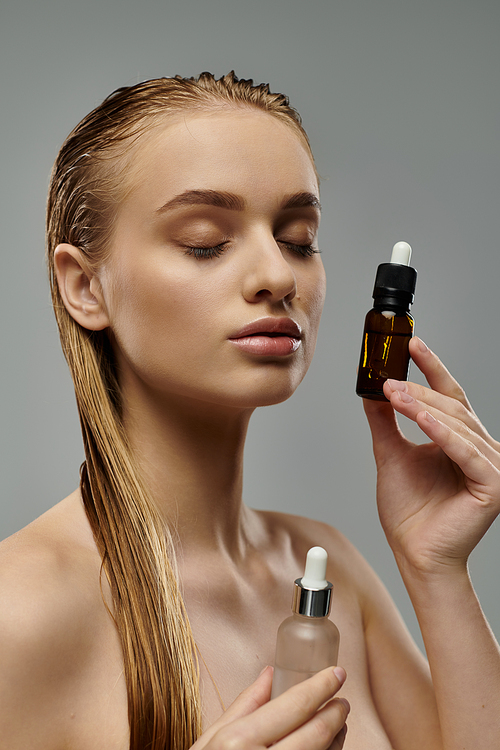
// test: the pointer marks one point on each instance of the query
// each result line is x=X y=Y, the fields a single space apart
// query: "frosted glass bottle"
x=308 y=641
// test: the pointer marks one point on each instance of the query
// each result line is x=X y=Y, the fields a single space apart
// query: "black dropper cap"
x=395 y=282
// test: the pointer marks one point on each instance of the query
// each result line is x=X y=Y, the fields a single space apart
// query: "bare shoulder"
x=357 y=585
x=46 y=568
x=353 y=576
x=49 y=606
x=346 y=563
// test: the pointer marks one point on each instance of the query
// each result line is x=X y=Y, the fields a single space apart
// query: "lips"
x=269 y=337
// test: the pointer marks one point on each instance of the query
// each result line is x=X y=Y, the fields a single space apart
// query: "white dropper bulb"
x=315 y=573
x=401 y=253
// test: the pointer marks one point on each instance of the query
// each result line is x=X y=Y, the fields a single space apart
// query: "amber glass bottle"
x=388 y=326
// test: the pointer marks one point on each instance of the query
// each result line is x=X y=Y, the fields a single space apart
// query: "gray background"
x=402 y=106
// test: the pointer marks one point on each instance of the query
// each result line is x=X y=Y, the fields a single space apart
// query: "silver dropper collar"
x=312 y=594
x=310 y=602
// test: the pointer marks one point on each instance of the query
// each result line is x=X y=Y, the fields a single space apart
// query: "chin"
x=261 y=396
x=266 y=388
x=233 y=391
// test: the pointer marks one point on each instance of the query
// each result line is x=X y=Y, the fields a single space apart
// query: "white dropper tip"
x=401 y=253
x=315 y=573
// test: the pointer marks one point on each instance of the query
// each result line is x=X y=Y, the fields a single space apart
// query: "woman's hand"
x=305 y=716
x=436 y=501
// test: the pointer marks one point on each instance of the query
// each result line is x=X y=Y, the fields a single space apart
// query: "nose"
x=269 y=275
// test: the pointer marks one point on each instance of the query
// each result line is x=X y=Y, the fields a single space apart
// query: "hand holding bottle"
x=308 y=715
x=437 y=500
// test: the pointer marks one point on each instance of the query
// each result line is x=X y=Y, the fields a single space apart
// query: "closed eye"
x=305 y=250
x=206 y=252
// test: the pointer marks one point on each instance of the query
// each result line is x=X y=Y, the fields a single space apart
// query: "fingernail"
x=422 y=346
x=397 y=385
x=263 y=670
x=346 y=703
x=340 y=674
x=429 y=417
x=405 y=397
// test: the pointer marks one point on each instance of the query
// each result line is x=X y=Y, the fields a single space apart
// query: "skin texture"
x=188 y=394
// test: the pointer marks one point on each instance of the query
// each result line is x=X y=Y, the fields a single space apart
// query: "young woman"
x=141 y=611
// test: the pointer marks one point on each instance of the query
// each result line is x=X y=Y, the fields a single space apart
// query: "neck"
x=192 y=458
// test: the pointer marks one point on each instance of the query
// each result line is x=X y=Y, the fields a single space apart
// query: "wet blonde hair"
x=159 y=653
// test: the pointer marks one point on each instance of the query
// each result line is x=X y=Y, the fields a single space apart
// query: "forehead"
x=237 y=150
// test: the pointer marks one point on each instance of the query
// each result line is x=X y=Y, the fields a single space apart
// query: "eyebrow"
x=302 y=200
x=233 y=202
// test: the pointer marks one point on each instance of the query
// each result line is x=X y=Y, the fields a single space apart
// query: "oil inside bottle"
x=388 y=326
x=384 y=352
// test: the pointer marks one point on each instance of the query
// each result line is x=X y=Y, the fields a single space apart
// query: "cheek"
x=313 y=295
x=155 y=312
x=314 y=292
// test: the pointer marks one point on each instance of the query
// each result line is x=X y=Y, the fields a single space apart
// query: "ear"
x=80 y=288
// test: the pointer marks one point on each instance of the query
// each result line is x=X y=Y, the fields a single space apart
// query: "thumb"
x=386 y=434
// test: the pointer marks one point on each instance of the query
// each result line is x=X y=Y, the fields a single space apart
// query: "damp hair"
x=135 y=545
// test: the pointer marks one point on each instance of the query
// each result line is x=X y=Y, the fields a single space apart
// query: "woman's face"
x=212 y=287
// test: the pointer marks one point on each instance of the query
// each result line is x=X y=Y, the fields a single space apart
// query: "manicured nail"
x=346 y=704
x=340 y=674
x=405 y=397
x=429 y=417
x=422 y=346
x=397 y=385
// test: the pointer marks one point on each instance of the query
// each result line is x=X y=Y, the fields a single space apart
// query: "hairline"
x=153 y=124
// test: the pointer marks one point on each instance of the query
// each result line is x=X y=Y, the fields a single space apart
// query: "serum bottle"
x=388 y=326
x=308 y=641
